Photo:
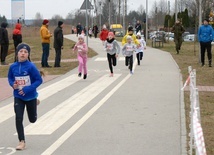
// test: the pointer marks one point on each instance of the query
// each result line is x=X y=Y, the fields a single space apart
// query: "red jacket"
x=104 y=34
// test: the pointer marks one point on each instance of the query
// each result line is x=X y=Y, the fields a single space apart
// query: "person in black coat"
x=4 y=42
x=79 y=29
x=95 y=30
x=138 y=27
x=58 y=43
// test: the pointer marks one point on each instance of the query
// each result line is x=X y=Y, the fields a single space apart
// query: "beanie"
x=104 y=26
x=60 y=23
x=130 y=28
x=81 y=36
x=111 y=34
x=23 y=46
x=45 y=21
x=138 y=34
x=207 y=20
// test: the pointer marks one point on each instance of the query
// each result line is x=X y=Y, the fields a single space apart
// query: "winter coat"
x=205 y=33
x=81 y=49
x=17 y=35
x=28 y=78
x=104 y=34
x=58 y=38
x=4 y=40
x=45 y=34
x=178 y=30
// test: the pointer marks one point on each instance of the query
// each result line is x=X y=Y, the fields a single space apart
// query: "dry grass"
x=31 y=36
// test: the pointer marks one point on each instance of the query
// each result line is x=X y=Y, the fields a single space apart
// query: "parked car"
x=169 y=36
x=190 y=37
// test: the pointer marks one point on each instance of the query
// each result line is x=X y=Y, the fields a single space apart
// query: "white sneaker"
x=21 y=145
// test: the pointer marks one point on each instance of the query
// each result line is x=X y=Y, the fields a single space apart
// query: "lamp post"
x=109 y=13
x=146 y=20
x=100 y=3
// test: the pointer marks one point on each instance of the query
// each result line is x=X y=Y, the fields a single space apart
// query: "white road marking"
x=56 y=117
x=105 y=59
x=76 y=126
x=7 y=111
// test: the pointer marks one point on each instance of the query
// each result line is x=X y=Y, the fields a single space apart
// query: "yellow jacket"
x=45 y=34
x=134 y=39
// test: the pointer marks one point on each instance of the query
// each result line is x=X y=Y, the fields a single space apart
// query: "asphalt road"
x=139 y=114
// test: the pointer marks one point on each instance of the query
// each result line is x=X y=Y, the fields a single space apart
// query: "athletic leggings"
x=112 y=60
x=19 y=107
x=129 y=61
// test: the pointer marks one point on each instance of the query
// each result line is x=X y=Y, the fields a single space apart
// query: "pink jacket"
x=82 y=49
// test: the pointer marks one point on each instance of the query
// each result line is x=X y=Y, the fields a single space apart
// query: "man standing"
x=45 y=36
x=58 y=43
x=79 y=29
x=178 y=30
x=205 y=37
x=4 y=42
x=138 y=27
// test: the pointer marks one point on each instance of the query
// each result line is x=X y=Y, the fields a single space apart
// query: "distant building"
x=17 y=10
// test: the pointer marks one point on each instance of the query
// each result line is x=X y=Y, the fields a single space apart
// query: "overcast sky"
x=49 y=8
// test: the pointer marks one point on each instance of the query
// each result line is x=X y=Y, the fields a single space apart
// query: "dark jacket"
x=58 y=38
x=178 y=30
x=138 y=27
x=4 y=40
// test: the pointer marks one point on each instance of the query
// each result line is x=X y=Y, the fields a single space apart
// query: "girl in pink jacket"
x=82 y=50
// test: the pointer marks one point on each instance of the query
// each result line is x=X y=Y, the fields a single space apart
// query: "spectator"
x=4 y=42
x=138 y=27
x=58 y=43
x=17 y=37
x=79 y=29
x=95 y=31
x=45 y=36
x=205 y=36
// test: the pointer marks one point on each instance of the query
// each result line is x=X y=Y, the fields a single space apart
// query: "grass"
x=189 y=56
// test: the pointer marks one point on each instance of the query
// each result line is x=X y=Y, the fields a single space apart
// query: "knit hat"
x=45 y=21
x=138 y=34
x=60 y=23
x=23 y=46
x=206 y=20
x=104 y=26
x=111 y=34
x=130 y=28
x=81 y=36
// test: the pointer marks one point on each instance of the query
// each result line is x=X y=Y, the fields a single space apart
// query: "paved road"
x=139 y=114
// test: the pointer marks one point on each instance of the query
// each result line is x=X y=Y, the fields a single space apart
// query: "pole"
x=86 y=21
x=176 y=9
x=199 y=24
x=146 y=20
x=109 y=13
x=100 y=15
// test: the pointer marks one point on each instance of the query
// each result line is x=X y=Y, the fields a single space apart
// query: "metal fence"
x=196 y=143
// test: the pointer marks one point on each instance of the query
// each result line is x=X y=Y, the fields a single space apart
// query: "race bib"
x=79 y=48
x=109 y=46
x=23 y=81
x=129 y=48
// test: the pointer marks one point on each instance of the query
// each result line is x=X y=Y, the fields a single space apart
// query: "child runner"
x=104 y=34
x=113 y=49
x=82 y=50
x=128 y=50
x=141 y=48
x=24 y=78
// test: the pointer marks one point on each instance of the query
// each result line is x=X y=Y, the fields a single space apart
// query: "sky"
x=49 y=8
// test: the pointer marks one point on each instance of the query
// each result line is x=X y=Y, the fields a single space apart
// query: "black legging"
x=206 y=46
x=112 y=60
x=19 y=107
x=129 y=61
x=139 y=56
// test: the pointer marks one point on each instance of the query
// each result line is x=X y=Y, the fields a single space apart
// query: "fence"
x=196 y=133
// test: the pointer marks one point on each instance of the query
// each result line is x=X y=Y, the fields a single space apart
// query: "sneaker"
x=210 y=65
x=85 y=76
x=38 y=102
x=202 y=65
x=111 y=75
x=21 y=145
x=131 y=72
x=80 y=74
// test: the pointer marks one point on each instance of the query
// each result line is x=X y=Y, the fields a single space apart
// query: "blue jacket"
x=28 y=78
x=205 y=33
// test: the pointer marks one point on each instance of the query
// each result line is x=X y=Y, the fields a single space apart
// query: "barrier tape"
x=198 y=135
x=187 y=82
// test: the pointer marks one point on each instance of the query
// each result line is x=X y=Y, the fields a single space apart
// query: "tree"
x=38 y=19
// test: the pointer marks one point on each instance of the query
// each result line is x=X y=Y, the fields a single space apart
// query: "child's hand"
x=15 y=85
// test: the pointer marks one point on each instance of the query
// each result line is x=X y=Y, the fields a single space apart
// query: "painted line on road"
x=105 y=59
x=56 y=117
x=7 y=111
x=77 y=125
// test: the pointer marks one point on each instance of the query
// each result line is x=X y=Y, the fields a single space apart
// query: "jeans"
x=19 y=107
x=45 y=54
x=57 y=57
